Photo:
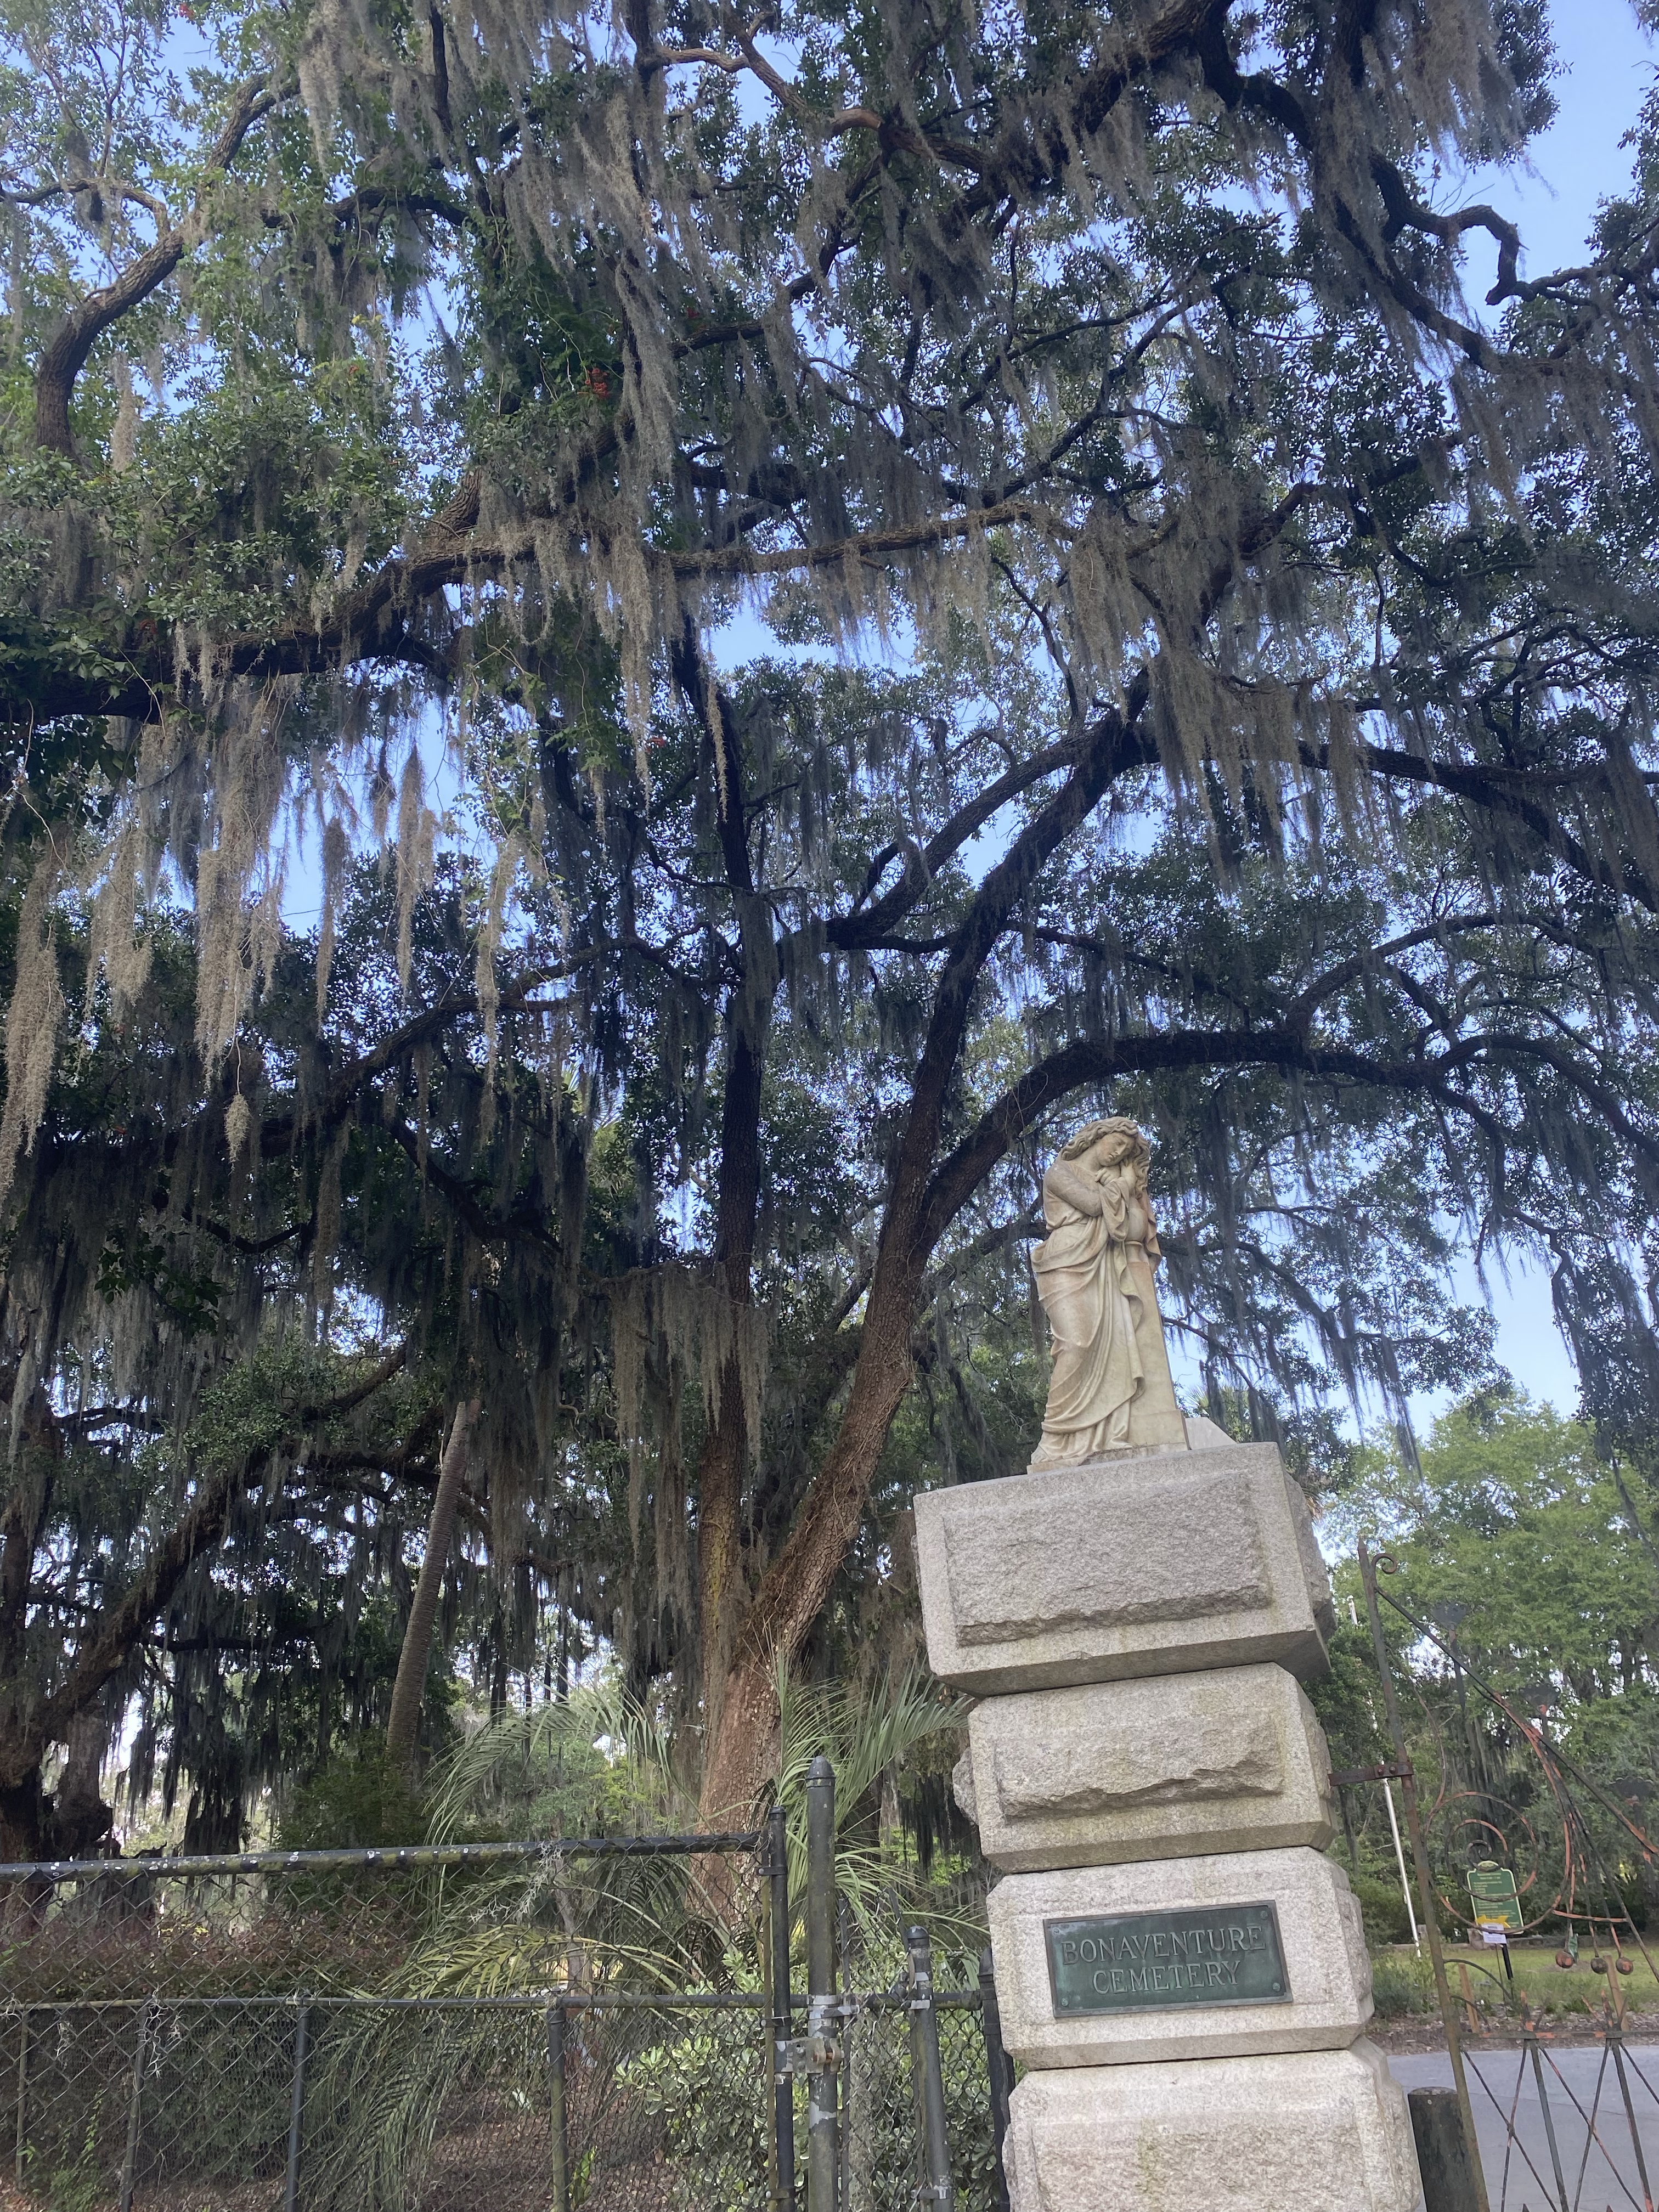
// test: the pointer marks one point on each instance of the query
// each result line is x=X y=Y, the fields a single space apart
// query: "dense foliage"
x=1190 y=656
x=1530 y=1691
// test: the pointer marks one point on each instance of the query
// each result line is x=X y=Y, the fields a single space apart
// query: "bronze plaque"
x=1223 y=1954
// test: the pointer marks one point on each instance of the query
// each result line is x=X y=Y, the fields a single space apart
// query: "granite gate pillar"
x=1179 y=1968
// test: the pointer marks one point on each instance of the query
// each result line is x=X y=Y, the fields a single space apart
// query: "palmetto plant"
x=598 y=1763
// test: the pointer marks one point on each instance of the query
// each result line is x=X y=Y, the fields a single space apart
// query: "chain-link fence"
x=884 y=2145
x=442 y=2031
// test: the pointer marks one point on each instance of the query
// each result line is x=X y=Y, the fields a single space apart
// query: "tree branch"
x=66 y=356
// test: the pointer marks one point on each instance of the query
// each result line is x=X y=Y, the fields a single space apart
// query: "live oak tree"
x=1265 y=742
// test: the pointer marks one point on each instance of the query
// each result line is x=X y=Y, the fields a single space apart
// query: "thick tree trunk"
x=743 y=1749
x=24 y=1810
x=721 y=1589
x=722 y=1593
x=410 y=1686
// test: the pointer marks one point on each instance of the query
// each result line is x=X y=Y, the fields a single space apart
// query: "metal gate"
x=273 y=2031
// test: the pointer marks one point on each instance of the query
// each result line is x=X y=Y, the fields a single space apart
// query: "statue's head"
x=1109 y=1142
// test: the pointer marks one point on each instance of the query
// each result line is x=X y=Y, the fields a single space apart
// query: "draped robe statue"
x=1109 y=1391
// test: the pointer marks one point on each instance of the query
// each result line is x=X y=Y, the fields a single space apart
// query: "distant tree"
x=1509 y=1514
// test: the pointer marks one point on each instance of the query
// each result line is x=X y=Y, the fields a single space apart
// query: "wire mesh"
x=366 y=1922
x=435 y=2107
x=882 y=2153
x=268 y=2039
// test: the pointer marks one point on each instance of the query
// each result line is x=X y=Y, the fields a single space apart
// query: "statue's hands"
x=1077 y=1189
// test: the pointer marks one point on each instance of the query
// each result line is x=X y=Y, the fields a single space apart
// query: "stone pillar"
x=1180 y=1969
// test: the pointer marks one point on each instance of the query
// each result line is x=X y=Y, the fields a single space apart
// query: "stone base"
x=1156 y=1985
x=1313 y=2131
x=1233 y=1759
x=1156 y=1565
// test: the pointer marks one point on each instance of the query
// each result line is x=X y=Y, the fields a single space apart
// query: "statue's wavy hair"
x=1115 y=1125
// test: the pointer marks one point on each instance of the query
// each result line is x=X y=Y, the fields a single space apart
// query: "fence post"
x=849 y=2115
x=822 y=2113
x=558 y=2126
x=1368 y=1566
x=129 y=2159
x=22 y=2155
x=783 y=2083
x=1000 y=2067
x=296 y=2107
x=1442 y=2154
x=929 y=2072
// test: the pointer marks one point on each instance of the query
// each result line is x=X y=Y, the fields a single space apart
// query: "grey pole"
x=558 y=2127
x=999 y=2066
x=783 y=2084
x=129 y=2160
x=823 y=2113
x=296 y=2108
x=22 y=2095
x=929 y=2072
x=1443 y=2156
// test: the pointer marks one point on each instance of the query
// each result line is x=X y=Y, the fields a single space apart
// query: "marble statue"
x=1109 y=1391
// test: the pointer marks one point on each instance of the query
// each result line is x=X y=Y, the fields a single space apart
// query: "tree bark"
x=742 y=1749
x=725 y=1458
x=411 y=1684
x=67 y=351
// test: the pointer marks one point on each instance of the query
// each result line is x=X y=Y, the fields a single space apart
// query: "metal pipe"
x=1616 y=2045
x=21 y=2154
x=929 y=2072
x=783 y=2083
x=1399 y=1861
x=1000 y=2069
x=1530 y=2040
x=296 y=2107
x=130 y=2157
x=400 y=1855
x=846 y=2043
x=558 y=2124
x=1424 y=1879
x=823 y=2104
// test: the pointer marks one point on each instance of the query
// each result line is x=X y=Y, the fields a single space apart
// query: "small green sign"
x=1156 y=1961
x=1493 y=1893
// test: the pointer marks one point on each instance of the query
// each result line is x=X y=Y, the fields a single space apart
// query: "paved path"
x=1608 y=2178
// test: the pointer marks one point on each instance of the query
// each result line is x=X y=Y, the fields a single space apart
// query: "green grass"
x=1405 y=1984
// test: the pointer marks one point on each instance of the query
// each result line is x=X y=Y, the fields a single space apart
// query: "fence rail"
x=375 y=1857
x=271 y=2032
x=601 y=2101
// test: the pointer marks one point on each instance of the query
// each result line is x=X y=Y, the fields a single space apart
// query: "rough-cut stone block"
x=1154 y=1565
x=1317 y=2132
x=1156 y=1981
x=1233 y=1759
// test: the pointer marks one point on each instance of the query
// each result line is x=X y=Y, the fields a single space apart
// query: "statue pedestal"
x=1320 y=2131
x=1150 y=1566
x=1179 y=1968
x=1231 y=1760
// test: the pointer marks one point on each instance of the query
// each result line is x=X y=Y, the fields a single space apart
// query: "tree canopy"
x=815 y=595
x=1526 y=1552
